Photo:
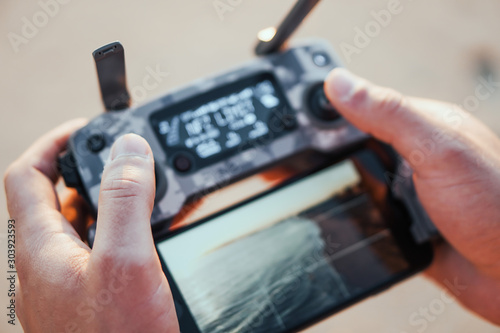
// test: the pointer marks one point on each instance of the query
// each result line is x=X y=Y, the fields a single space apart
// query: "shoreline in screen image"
x=286 y=258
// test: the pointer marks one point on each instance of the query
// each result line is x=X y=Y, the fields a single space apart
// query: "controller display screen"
x=213 y=125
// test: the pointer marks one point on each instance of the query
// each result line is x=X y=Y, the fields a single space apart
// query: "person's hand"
x=456 y=163
x=118 y=286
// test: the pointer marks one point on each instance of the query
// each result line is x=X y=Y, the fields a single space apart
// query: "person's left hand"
x=118 y=286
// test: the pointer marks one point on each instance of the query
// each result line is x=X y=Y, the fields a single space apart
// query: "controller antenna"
x=110 y=65
x=272 y=39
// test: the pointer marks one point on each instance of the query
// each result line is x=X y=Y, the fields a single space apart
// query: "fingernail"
x=130 y=145
x=343 y=83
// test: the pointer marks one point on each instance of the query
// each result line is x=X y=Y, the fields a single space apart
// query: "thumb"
x=126 y=200
x=386 y=114
x=124 y=262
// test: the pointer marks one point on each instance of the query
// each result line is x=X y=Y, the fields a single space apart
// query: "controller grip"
x=91 y=234
x=68 y=169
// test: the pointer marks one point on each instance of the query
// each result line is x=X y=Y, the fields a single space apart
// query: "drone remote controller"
x=224 y=128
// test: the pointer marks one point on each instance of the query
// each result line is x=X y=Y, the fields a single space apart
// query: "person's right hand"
x=456 y=163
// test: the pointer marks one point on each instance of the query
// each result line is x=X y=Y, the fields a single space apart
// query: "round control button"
x=182 y=163
x=320 y=105
x=96 y=142
x=282 y=122
x=320 y=59
x=289 y=122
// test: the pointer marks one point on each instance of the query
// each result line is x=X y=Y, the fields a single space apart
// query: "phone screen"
x=290 y=257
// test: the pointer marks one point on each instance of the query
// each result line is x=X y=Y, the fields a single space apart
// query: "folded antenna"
x=110 y=66
x=272 y=40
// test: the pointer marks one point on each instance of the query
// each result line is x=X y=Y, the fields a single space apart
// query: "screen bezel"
x=382 y=160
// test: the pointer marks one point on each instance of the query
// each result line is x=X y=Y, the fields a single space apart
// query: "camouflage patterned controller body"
x=283 y=89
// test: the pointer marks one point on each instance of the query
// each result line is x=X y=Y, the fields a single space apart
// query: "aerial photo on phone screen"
x=283 y=259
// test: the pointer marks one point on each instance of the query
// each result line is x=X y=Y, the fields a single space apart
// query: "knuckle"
x=11 y=174
x=126 y=179
x=360 y=97
x=389 y=101
x=373 y=99
x=115 y=261
x=121 y=188
x=455 y=149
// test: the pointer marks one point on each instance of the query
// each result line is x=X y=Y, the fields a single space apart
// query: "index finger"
x=29 y=181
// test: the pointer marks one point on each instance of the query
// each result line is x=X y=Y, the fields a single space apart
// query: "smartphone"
x=324 y=239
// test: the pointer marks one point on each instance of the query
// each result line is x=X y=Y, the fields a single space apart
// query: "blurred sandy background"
x=431 y=49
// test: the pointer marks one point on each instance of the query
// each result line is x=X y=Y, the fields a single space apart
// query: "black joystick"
x=160 y=182
x=320 y=106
